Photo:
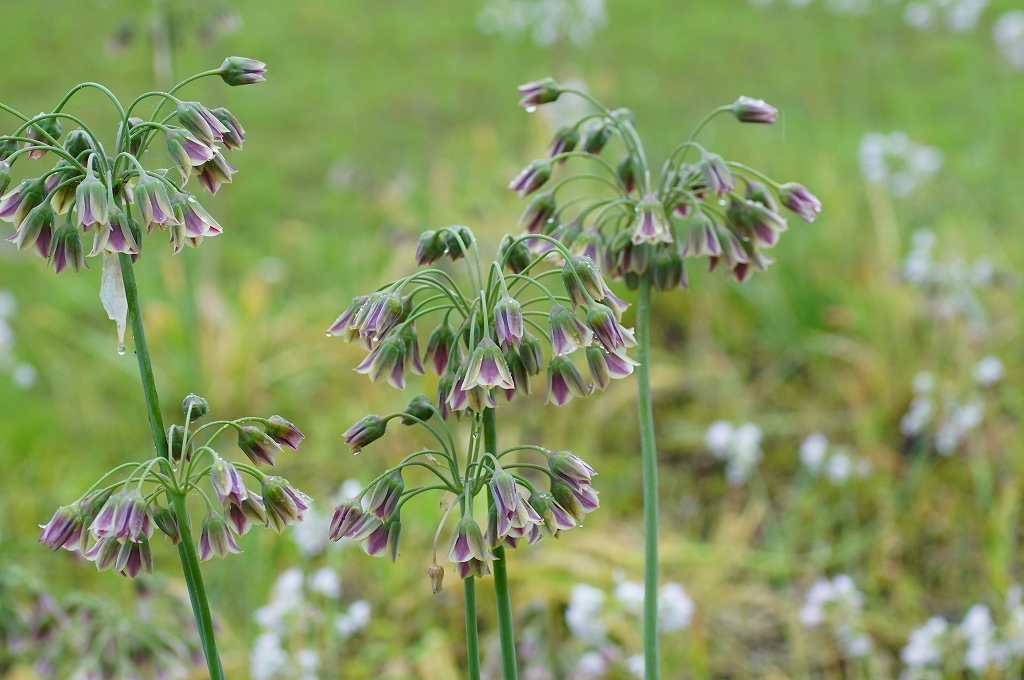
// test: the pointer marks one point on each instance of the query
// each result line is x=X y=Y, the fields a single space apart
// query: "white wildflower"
x=582 y=616
x=988 y=371
x=1008 y=35
x=675 y=608
x=812 y=451
x=326 y=582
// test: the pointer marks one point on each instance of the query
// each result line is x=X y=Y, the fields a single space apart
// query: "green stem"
x=472 y=635
x=503 y=599
x=186 y=548
x=649 y=462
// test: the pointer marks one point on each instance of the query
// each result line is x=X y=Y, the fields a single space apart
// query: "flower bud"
x=284 y=432
x=520 y=377
x=215 y=540
x=567 y=332
x=801 y=201
x=167 y=522
x=430 y=248
x=215 y=172
x=458 y=240
x=366 y=431
x=64 y=526
x=283 y=503
x=564 y=141
x=346 y=515
x=343 y=324
x=78 y=143
x=717 y=177
x=198 y=120
x=445 y=387
x=5 y=176
x=667 y=269
x=537 y=213
x=515 y=255
x=439 y=347
x=386 y=361
x=257 y=445
x=596 y=136
x=227 y=482
x=43 y=132
x=385 y=496
x=582 y=271
x=508 y=321
x=626 y=171
x=650 y=225
x=532 y=354
x=7 y=147
x=538 y=92
x=241 y=71
x=135 y=140
x=565 y=381
x=194 y=407
x=435 y=572
x=234 y=134
x=750 y=110
x=531 y=178
x=420 y=409
x=394 y=534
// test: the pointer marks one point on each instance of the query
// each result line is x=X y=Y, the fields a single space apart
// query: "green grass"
x=423 y=108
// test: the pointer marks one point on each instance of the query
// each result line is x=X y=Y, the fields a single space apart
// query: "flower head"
x=186 y=152
x=577 y=502
x=514 y=515
x=468 y=550
x=538 y=92
x=531 y=178
x=386 y=361
x=750 y=110
x=242 y=71
x=717 y=177
x=63 y=527
x=367 y=430
x=284 y=432
x=555 y=517
x=201 y=122
x=257 y=445
x=797 y=198
x=17 y=203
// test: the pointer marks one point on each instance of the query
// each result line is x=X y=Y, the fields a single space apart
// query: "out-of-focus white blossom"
x=924 y=648
x=812 y=451
x=354 y=620
x=896 y=162
x=988 y=371
x=547 y=20
x=1008 y=35
x=326 y=582
x=311 y=535
x=739 y=447
x=675 y=608
x=635 y=665
x=818 y=456
x=583 y=615
x=838 y=603
x=958 y=16
x=268 y=660
x=590 y=666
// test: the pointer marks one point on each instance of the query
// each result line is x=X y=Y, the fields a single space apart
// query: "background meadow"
x=891 y=329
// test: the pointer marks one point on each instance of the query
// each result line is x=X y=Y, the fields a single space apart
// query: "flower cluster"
x=303 y=625
x=490 y=332
x=520 y=513
x=710 y=207
x=107 y=191
x=113 y=522
x=839 y=604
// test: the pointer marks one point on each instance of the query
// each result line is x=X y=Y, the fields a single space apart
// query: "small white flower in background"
x=895 y=161
x=1008 y=35
x=635 y=665
x=326 y=582
x=630 y=595
x=839 y=604
x=923 y=382
x=24 y=375
x=924 y=647
x=917 y=416
x=308 y=662
x=547 y=20
x=988 y=371
x=957 y=421
x=812 y=451
x=958 y=16
x=739 y=447
x=582 y=616
x=268 y=659
x=839 y=468
x=819 y=457
x=8 y=304
x=354 y=620
x=675 y=608
x=350 y=488
x=979 y=631
x=311 y=535
x=590 y=666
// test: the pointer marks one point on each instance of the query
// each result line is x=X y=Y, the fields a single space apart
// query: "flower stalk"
x=502 y=597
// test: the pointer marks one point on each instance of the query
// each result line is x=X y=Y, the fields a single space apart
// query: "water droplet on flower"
x=120 y=350
x=329 y=334
x=531 y=109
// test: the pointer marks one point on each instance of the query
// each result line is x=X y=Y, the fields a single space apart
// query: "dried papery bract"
x=642 y=232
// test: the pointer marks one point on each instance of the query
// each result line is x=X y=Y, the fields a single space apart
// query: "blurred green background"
x=382 y=119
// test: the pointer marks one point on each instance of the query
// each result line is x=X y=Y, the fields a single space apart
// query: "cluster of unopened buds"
x=108 y=191
x=113 y=522
x=520 y=513
x=490 y=330
x=692 y=209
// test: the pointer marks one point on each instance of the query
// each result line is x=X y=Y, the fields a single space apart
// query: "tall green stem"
x=503 y=599
x=186 y=548
x=649 y=463
x=472 y=635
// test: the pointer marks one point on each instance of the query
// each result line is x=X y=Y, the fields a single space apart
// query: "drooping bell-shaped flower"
x=475 y=398
x=215 y=172
x=375 y=544
x=22 y=199
x=116 y=236
x=283 y=503
x=564 y=140
x=346 y=515
x=418 y=410
x=468 y=550
x=520 y=376
x=567 y=332
x=515 y=254
x=582 y=280
x=577 y=503
x=187 y=152
x=487 y=368
x=596 y=136
x=765 y=225
x=565 y=381
x=201 y=122
x=132 y=519
x=538 y=211
x=227 y=482
x=382 y=312
x=65 y=524
x=153 y=202
x=385 y=495
x=430 y=248
x=717 y=177
x=531 y=178
x=134 y=557
x=343 y=325
x=387 y=361
x=555 y=517
x=650 y=225
x=215 y=540
x=251 y=511
x=234 y=135
x=257 y=445
x=411 y=340
x=36 y=230
x=242 y=71
x=750 y=110
x=364 y=432
x=625 y=170
x=702 y=238
x=797 y=198
x=439 y=347
x=538 y=92
x=167 y=522
x=532 y=354
x=512 y=512
x=43 y=131
x=605 y=366
x=284 y=432
x=508 y=322
x=570 y=468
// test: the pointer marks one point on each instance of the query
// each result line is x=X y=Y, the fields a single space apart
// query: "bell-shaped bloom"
x=242 y=71
x=717 y=177
x=487 y=368
x=612 y=336
x=251 y=511
x=227 y=482
x=667 y=270
x=364 y=432
x=538 y=92
x=234 y=133
x=570 y=468
x=346 y=515
x=532 y=354
x=475 y=398
x=531 y=178
x=64 y=526
x=103 y=553
x=411 y=339
x=154 y=204
x=430 y=248
x=606 y=366
x=215 y=540
x=257 y=445
x=36 y=230
x=382 y=312
x=167 y=522
x=444 y=391
x=508 y=322
x=43 y=131
x=187 y=152
x=5 y=175
x=625 y=170
x=386 y=361
x=102 y=525
x=567 y=332
x=702 y=238
x=797 y=198
x=577 y=503
x=197 y=221
x=17 y=203
x=439 y=347
x=512 y=511
x=565 y=381
x=134 y=557
x=283 y=432
x=564 y=140
x=538 y=211
x=201 y=122
x=582 y=280
x=385 y=495
x=555 y=517
x=520 y=376
x=132 y=519
x=343 y=325
x=117 y=236
x=468 y=550
x=750 y=110
x=765 y=225
x=650 y=225
x=394 y=535
x=733 y=252
x=376 y=543
x=284 y=504
x=215 y=172
x=514 y=254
